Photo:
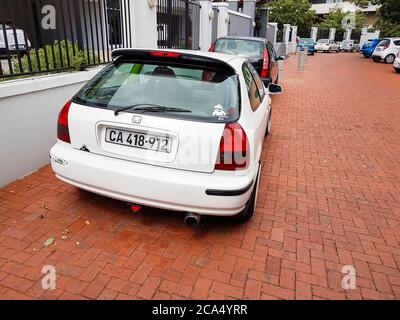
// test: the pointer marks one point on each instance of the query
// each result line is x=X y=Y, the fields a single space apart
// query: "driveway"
x=330 y=198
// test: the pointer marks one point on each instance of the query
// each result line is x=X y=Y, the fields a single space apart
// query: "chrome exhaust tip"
x=192 y=220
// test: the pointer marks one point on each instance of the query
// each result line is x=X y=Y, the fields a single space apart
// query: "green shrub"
x=388 y=29
x=77 y=61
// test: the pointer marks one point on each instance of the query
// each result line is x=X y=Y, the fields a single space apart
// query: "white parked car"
x=326 y=45
x=387 y=50
x=179 y=130
x=349 y=46
x=396 y=64
x=10 y=43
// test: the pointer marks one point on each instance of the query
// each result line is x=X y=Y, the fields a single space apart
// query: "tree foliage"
x=294 y=12
x=389 y=13
x=336 y=17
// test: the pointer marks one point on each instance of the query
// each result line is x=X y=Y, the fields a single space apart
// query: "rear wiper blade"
x=149 y=107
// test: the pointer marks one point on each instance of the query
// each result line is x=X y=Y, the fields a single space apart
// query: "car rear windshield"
x=205 y=95
x=241 y=47
x=323 y=41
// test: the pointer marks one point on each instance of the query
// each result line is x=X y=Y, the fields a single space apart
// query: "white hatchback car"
x=349 y=46
x=396 y=64
x=172 y=129
x=326 y=45
x=386 y=50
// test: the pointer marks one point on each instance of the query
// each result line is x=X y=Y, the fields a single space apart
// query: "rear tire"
x=250 y=207
x=397 y=70
x=389 y=59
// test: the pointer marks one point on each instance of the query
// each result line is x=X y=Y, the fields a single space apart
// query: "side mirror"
x=275 y=89
x=283 y=57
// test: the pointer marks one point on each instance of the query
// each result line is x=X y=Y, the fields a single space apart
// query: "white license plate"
x=139 y=140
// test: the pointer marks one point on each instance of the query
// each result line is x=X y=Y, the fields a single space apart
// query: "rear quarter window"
x=252 y=90
x=384 y=43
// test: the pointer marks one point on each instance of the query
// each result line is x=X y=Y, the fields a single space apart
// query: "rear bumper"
x=219 y=193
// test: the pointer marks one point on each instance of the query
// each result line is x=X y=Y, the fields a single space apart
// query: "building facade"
x=323 y=7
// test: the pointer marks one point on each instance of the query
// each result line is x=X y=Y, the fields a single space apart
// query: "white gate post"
x=272 y=29
x=332 y=33
x=364 y=35
x=249 y=8
x=294 y=39
x=233 y=5
x=143 y=24
x=348 y=34
x=223 y=18
x=314 y=33
x=286 y=34
x=206 y=16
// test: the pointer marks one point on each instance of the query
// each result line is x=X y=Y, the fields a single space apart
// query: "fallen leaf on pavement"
x=49 y=241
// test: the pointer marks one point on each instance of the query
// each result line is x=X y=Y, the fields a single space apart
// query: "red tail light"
x=265 y=69
x=165 y=54
x=212 y=48
x=234 y=149
x=62 y=124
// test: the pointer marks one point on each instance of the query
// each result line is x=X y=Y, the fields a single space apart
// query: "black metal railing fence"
x=339 y=35
x=49 y=36
x=178 y=24
x=323 y=33
x=279 y=35
x=304 y=32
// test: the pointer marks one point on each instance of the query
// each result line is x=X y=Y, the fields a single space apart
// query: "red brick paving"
x=330 y=196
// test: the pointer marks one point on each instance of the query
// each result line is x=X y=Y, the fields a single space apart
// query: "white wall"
x=223 y=18
x=239 y=24
x=205 y=25
x=28 y=120
x=143 y=25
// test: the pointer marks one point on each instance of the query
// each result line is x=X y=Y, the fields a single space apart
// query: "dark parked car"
x=260 y=53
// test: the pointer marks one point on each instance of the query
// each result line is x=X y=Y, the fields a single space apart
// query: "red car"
x=259 y=51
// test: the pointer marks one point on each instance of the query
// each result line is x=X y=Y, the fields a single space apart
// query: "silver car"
x=350 y=46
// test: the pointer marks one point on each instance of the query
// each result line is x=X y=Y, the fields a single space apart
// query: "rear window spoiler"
x=184 y=58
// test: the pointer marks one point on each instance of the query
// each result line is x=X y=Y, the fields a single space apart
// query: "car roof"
x=244 y=38
x=233 y=61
